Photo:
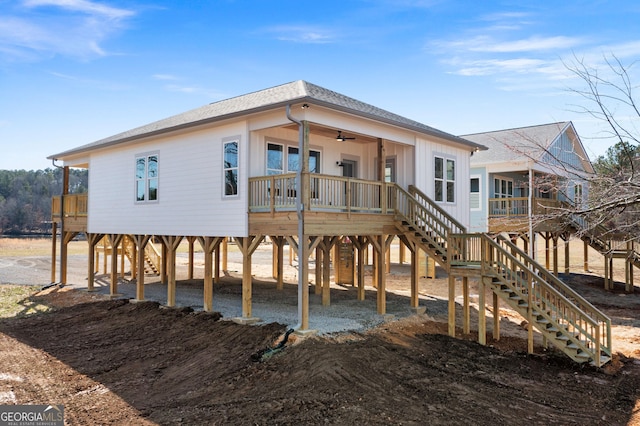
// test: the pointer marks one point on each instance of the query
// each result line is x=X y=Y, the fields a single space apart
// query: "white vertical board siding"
x=190 y=200
x=426 y=150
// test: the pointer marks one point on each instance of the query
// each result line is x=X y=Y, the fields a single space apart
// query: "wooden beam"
x=247 y=246
x=496 y=317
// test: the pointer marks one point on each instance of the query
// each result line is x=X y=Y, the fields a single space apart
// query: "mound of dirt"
x=115 y=362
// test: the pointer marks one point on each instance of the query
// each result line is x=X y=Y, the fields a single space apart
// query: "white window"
x=474 y=194
x=502 y=188
x=445 y=179
x=147 y=178
x=230 y=168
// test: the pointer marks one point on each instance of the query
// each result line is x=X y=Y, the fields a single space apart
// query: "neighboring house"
x=549 y=158
x=303 y=165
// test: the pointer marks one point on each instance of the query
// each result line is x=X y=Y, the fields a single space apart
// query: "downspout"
x=299 y=208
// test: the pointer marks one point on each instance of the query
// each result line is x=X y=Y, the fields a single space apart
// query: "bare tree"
x=609 y=93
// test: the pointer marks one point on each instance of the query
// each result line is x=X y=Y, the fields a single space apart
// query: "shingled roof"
x=274 y=97
x=516 y=144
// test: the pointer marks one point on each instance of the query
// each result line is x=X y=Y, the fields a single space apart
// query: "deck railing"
x=327 y=193
x=75 y=205
x=586 y=326
x=519 y=206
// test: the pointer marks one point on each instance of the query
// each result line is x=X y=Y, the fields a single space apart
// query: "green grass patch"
x=16 y=300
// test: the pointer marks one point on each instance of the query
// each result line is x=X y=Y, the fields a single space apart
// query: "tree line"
x=25 y=198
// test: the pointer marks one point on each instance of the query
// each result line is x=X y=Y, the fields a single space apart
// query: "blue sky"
x=75 y=71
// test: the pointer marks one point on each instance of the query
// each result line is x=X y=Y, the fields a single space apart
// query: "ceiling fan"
x=341 y=138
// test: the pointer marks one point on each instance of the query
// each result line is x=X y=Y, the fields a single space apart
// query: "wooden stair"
x=564 y=318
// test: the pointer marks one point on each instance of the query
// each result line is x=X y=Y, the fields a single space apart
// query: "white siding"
x=426 y=150
x=190 y=200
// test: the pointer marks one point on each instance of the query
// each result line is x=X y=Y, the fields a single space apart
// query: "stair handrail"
x=537 y=284
x=424 y=222
x=437 y=211
x=554 y=281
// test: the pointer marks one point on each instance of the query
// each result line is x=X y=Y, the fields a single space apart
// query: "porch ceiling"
x=331 y=133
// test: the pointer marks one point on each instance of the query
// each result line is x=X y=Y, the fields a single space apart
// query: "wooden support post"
x=375 y=264
x=361 y=245
x=247 y=246
x=452 y=306
x=319 y=268
x=122 y=255
x=54 y=236
x=466 y=323
x=401 y=252
x=611 y=280
x=482 y=311
x=171 y=242
x=216 y=262
x=191 y=240
x=209 y=246
x=93 y=240
x=388 y=259
x=225 y=242
x=586 y=255
x=606 y=272
x=326 y=270
x=105 y=247
x=381 y=293
x=114 y=241
x=566 y=255
x=279 y=255
x=496 y=317
x=415 y=279
x=555 y=255
x=140 y=242
x=546 y=251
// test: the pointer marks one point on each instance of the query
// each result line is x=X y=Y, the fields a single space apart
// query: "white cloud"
x=169 y=77
x=75 y=28
x=303 y=34
x=88 y=7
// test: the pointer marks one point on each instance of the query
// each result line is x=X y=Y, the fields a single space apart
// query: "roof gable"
x=549 y=144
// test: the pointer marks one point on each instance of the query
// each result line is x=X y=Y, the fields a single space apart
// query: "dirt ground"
x=115 y=362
